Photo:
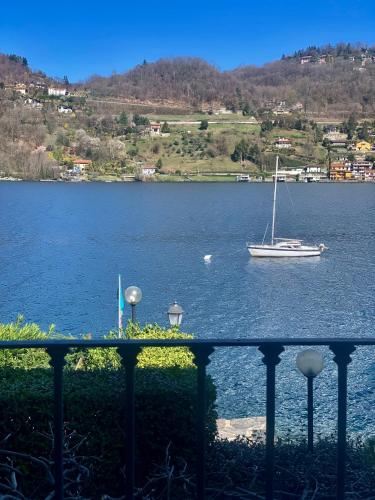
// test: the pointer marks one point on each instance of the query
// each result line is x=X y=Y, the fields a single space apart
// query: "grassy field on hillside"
x=190 y=150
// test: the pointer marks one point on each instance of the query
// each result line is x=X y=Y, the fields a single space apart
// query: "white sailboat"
x=283 y=247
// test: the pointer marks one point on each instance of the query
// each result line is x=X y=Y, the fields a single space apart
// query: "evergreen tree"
x=203 y=125
x=123 y=119
x=140 y=120
x=165 y=128
x=350 y=126
x=266 y=126
x=363 y=133
x=159 y=164
x=246 y=110
x=241 y=151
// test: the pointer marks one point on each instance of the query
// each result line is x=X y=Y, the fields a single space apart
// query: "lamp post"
x=310 y=363
x=133 y=295
x=175 y=313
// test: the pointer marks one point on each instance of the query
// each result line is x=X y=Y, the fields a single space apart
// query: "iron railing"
x=201 y=349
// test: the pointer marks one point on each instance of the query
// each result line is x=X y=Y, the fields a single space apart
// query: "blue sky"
x=82 y=38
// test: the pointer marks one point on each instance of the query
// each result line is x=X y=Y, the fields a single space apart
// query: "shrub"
x=165 y=399
x=203 y=125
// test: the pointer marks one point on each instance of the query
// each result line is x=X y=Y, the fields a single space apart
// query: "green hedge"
x=94 y=403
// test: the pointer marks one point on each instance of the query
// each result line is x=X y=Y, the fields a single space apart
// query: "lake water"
x=63 y=245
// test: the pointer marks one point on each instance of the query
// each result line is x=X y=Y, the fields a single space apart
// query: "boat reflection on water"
x=267 y=262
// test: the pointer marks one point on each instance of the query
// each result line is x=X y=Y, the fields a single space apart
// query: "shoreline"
x=182 y=181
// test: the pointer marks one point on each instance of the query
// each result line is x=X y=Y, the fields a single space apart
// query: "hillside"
x=327 y=81
x=186 y=118
x=331 y=81
x=15 y=69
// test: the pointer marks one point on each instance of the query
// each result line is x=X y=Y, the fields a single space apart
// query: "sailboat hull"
x=275 y=251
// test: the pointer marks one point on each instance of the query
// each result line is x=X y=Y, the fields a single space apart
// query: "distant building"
x=32 y=103
x=20 y=88
x=79 y=165
x=336 y=139
x=38 y=85
x=298 y=106
x=333 y=134
x=338 y=143
x=155 y=129
x=292 y=174
x=313 y=169
x=339 y=171
x=363 y=146
x=322 y=59
x=148 y=171
x=305 y=59
x=359 y=170
x=283 y=143
x=363 y=170
x=64 y=109
x=243 y=178
x=223 y=111
x=56 y=91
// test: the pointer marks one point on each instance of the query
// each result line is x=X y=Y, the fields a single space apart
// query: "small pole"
x=310 y=414
x=133 y=313
x=119 y=307
x=274 y=201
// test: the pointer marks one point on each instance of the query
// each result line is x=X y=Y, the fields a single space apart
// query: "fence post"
x=342 y=358
x=201 y=359
x=57 y=361
x=129 y=355
x=271 y=358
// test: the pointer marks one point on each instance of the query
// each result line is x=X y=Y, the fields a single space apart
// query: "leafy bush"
x=237 y=469
x=165 y=399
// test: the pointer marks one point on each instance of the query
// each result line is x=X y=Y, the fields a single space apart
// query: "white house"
x=64 y=109
x=147 y=171
x=313 y=169
x=155 y=129
x=283 y=143
x=55 y=91
x=32 y=103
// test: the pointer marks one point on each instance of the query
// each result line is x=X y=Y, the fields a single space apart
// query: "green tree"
x=241 y=151
x=363 y=133
x=246 y=110
x=203 y=125
x=159 y=165
x=165 y=128
x=18 y=59
x=266 y=126
x=123 y=119
x=254 y=154
x=350 y=126
x=140 y=120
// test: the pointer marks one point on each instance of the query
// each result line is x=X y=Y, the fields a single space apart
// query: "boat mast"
x=274 y=201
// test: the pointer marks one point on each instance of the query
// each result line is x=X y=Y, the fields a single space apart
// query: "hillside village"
x=54 y=130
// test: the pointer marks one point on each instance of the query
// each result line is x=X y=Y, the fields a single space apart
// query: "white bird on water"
x=207 y=258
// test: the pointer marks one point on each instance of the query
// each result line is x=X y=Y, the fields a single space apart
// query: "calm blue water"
x=63 y=245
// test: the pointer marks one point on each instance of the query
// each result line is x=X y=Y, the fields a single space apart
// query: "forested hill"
x=15 y=69
x=325 y=84
x=331 y=80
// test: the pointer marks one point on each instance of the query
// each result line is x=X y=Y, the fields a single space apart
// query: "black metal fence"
x=201 y=349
